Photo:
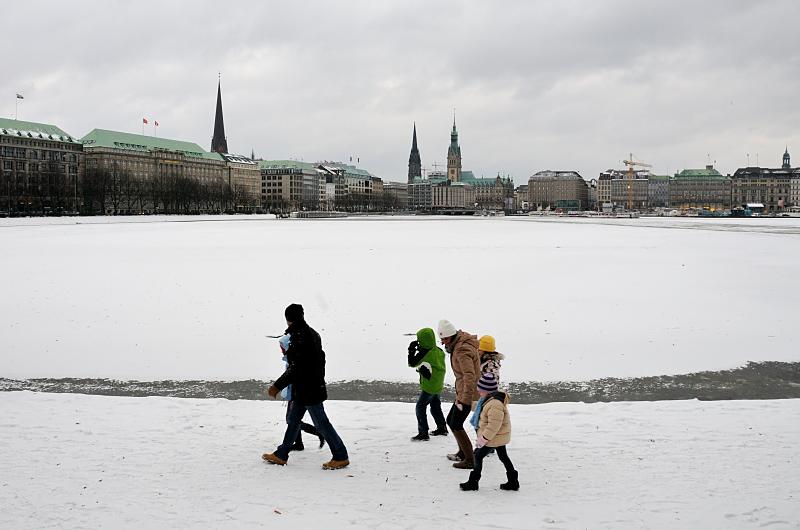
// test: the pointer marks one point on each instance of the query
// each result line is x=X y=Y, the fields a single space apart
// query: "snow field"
x=75 y=461
x=194 y=298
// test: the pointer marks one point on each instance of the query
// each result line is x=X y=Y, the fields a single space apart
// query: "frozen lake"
x=567 y=299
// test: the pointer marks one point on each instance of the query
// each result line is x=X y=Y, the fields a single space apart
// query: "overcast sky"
x=568 y=85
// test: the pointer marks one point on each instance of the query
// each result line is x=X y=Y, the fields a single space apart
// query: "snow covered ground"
x=154 y=298
x=75 y=461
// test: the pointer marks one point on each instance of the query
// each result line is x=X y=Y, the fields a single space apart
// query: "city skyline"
x=568 y=86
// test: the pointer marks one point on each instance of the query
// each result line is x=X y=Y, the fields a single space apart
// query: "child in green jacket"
x=428 y=359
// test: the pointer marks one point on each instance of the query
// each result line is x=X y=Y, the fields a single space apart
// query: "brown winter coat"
x=465 y=363
x=495 y=421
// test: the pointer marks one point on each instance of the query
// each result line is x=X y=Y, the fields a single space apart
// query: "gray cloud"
x=536 y=84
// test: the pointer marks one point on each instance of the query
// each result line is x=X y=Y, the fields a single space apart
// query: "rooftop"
x=708 y=173
x=29 y=129
x=138 y=142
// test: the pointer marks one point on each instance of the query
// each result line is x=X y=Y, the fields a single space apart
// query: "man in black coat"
x=306 y=373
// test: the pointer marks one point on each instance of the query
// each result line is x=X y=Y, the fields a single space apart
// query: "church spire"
x=454 y=154
x=219 y=143
x=414 y=162
x=787 y=161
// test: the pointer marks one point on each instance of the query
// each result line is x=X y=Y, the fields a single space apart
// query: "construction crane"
x=631 y=175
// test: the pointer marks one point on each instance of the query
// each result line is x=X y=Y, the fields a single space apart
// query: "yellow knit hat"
x=486 y=343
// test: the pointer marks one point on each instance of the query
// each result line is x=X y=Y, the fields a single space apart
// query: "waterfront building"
x=770 y=187
x=658 y=191
x=362 y=191
x=705 y=189
x=244 y=182
x=548 y=190
x=395 y=196
x=132 y=173
x=622 y=190
x=491 y=194
x=794 y=180
x=42 y=169
x=290 y=185
x=521 y=198
x=592 y=189
x=453 y=197
x=420 y=195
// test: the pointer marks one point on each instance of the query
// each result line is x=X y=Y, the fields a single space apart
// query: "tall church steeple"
x=454 y=155
x=414 y=162
x=219 y=143
x=787 y=161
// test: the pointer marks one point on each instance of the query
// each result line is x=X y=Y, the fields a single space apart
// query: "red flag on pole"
x=144 y=120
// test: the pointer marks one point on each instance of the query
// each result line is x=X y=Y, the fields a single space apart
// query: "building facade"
x=521 y=198
x=395 y=196
x=546 y=189
x=658 y=191
x=622 y=190
x=420 y=195
x=702 y=189
x=42 y=169
x=133 y=174
x=453 y=197
x=491 y=194
x=289 y=185
x=770 y=187
x=244 y=183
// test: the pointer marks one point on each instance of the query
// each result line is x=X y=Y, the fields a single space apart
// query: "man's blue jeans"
x=424 y=400
x=320 y=421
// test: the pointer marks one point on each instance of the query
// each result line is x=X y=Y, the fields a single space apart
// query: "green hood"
x=426 y=338
x=434 y=356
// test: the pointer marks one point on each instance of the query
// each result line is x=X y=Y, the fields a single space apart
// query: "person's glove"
x=273 y=391
x=480 y=441
x=424 y=372
x=412 y=347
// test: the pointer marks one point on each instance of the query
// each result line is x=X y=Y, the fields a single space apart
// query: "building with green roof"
x=42 y=169
x=134 y=173
x=704 y=189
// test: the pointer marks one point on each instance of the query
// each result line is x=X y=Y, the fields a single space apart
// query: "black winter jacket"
x=306 y=366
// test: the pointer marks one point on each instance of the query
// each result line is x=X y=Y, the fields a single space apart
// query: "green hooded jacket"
x=435 y=357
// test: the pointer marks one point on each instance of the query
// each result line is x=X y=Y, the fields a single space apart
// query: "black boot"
x=472 y=483
x=298 y=444
x=513 y=482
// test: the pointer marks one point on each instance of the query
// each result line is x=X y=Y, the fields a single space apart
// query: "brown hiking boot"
x=464 y=464
x=336 y=464
x=272 y=458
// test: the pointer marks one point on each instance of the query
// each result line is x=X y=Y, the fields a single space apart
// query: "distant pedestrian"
x=306 y=373
x=493 y=422
x=286 y=394
x=428 y=359
x=463 y=350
